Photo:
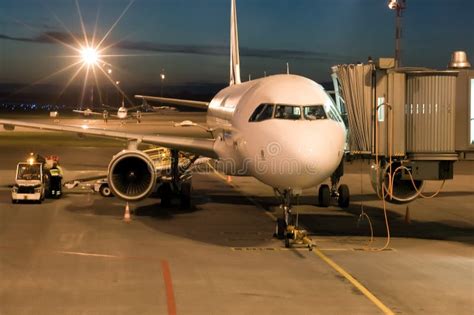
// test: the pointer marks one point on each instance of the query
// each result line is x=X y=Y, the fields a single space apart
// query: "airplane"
x=122 y=112
x=283 y=129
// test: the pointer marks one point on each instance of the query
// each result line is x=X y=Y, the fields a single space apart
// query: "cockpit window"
x=263 y=112
x=288 y=112
x=314 y=112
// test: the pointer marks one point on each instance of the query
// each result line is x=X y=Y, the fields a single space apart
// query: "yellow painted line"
x=336 y=249
x=320 y=254
x=256 y=203
x=354 y=282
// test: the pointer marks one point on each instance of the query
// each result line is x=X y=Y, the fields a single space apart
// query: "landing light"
x=85 y=127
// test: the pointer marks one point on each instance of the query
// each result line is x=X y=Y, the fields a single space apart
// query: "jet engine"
x=403 y=188
x=132 y=175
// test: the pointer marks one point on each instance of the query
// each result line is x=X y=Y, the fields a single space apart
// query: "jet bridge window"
x=288 y=112
x=314 y=112
x=263 y=112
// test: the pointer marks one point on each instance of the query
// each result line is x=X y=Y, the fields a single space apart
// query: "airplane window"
x=263 y=112
x=314 y=112
x=288 y=112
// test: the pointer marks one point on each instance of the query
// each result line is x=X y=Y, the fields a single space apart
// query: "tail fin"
x=234 y=47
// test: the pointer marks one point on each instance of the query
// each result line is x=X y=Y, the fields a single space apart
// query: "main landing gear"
x=338 y=192
x=287 y=226
x=180 y=185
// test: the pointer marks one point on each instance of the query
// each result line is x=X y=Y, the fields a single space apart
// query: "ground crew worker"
x=139 y=116
x=56 y=173
x=105 y=115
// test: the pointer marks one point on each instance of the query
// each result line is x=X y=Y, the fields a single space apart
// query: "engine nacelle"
x=403 y=189
x=132 y=175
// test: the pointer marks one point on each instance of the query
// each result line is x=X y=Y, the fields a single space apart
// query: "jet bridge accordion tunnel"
x=411 y=123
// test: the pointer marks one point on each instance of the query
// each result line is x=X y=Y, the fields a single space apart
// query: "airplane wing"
x=109 y=107
x=134 y=107
x=87 y=112
x=175 y=101
x=204 y=147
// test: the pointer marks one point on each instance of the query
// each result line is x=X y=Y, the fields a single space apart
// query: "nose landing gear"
x=286 y=227
x=339 y=192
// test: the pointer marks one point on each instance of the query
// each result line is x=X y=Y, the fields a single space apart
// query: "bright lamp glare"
x=392 y=4
x=89 y=55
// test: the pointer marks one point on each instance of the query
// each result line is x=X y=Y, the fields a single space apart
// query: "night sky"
x=189 y=38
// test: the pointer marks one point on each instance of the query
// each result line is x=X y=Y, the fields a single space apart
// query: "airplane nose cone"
x=310 y=156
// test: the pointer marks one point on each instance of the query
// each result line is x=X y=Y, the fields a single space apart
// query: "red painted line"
x=165 y=268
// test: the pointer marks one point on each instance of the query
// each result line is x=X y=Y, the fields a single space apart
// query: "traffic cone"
x=407 y=216
x=126 y=217
x=229 y=179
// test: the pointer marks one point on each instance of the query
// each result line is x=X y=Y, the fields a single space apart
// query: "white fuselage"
x=294 y=153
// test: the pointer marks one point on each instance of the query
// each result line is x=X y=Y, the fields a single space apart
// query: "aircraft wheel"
x=324 y=196
x=105 y=191
x=344 y=196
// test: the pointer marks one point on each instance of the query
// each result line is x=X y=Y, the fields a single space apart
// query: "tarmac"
x=76 y=255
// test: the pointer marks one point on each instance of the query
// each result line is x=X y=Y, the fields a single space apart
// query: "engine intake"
x=132 y=175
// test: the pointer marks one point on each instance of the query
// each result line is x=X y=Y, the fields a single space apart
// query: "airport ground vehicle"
x=102 y=186
x=36 y=179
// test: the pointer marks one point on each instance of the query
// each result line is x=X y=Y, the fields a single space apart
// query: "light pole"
x=92 y=97
x=109 y=71
x=163 y=77
x=118 y=90
x=398 y=6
